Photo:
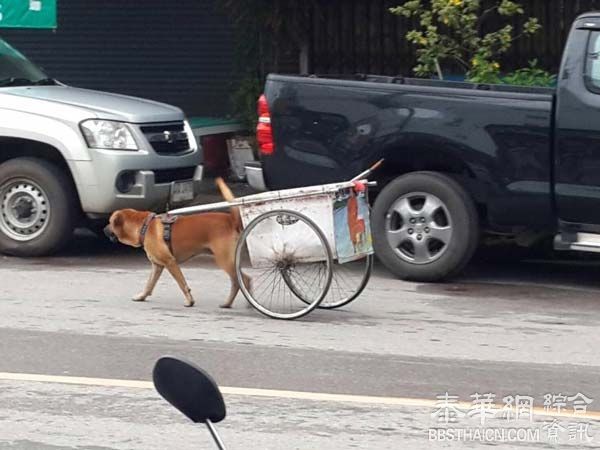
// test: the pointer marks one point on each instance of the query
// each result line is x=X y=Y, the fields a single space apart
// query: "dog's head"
x=124 y=226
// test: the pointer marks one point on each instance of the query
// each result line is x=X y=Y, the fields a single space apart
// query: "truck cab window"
x=592 y=69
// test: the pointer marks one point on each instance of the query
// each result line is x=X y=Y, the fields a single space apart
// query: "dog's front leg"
x=175 y=271
x=154 y=276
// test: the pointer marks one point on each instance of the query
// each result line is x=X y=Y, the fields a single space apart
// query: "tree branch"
x=439 y=69
x=484 y=15
x=462 y=62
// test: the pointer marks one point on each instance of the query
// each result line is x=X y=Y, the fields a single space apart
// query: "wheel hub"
x=24 y=209
x=418 y=227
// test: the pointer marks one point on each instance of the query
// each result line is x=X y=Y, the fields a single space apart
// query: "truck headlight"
x=190 y=134
x=107 y=134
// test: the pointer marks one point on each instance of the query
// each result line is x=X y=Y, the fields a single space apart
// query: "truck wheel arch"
x=401 y=161
x=11 y=148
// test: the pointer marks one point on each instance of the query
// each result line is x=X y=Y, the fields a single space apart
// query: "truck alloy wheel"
x=425 y=226
x=24 y=209
x=419 y=227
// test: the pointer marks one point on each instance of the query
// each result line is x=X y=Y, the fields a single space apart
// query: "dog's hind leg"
x=235 y=288
x=175 y=271
x=154 y=276
x=225 y=259
x=233 y=292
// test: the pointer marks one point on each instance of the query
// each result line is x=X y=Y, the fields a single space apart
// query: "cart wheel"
x=284 y=245
x=347 y=283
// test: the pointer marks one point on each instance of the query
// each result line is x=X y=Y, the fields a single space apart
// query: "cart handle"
x=251 y=199
x=369 y=170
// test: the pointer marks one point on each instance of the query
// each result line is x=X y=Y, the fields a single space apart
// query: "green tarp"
x=205 y=122
x=28 y=13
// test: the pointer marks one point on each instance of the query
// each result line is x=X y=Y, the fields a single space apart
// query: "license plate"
x=182 y=191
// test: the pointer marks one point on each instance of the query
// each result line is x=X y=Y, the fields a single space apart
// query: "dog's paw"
x=139 y=298
x=189 y=303
x=225 y=306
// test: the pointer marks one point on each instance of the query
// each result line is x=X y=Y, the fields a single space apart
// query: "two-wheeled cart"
x=302 y=248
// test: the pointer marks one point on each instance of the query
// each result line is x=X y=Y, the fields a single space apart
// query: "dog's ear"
x=117 y=221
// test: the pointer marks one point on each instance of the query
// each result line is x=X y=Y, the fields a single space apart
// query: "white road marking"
x=274 y=393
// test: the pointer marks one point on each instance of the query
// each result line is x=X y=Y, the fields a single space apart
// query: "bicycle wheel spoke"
x=347 y=283
x=265 y=277
x=265 y=283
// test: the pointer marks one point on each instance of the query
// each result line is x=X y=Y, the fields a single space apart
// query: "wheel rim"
x=268 y=291
x=418 y=227
x=24 y=209
x=347 y=283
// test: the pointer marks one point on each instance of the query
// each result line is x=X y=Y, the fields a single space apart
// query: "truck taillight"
x=264 y=131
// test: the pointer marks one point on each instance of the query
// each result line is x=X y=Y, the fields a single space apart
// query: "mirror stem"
x=215 y=435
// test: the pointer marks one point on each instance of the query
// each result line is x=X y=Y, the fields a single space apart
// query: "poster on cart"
x=28 y=14
x=352 y=227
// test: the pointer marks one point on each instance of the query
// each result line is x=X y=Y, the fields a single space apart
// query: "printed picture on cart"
x=351 y=225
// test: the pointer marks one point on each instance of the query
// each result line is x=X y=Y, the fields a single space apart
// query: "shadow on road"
x=504 y=266
x=516 y=267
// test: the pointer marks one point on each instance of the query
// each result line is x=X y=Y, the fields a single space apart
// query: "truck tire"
x=425 y=227
x=37 y=207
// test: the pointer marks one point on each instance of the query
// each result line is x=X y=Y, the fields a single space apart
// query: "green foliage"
x=533 y=75
x=247 y=91
x=530 y=76
x=484 y=71
x=450 y=31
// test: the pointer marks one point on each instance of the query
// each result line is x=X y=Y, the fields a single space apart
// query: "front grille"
x=167 y=138
x=168 y=175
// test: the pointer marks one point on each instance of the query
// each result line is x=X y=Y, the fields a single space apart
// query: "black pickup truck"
x=461 y=159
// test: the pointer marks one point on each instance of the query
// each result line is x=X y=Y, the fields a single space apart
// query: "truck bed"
x=437 y=83
x=497 y=138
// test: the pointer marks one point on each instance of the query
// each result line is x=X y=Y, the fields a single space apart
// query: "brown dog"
x=190 y=235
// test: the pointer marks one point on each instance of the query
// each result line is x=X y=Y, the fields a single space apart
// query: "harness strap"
x=167 y=221
x=149 y=218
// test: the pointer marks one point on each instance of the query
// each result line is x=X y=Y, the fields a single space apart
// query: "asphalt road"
x=506 y=328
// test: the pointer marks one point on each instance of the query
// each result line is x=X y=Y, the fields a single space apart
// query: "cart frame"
x=327 y=242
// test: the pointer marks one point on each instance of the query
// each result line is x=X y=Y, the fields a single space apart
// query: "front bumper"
x=254 y=174
x=153 y=175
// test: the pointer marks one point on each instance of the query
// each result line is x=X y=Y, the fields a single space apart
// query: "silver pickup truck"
x=68 y=155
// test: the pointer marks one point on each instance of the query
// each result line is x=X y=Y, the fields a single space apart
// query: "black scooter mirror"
x=191 y=390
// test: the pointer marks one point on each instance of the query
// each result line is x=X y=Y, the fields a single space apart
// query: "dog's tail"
x=228 y=195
